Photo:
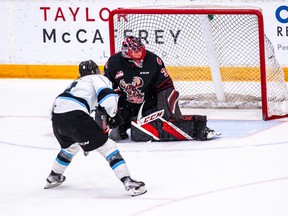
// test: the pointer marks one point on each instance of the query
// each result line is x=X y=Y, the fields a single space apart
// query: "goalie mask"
x=88 y=68
x=134 y=49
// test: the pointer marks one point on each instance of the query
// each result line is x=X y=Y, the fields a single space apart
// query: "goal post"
x=218 y=57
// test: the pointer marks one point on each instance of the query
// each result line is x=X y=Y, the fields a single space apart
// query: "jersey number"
x=71 y=86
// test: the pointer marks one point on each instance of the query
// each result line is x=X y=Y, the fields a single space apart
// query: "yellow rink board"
x=177 y=73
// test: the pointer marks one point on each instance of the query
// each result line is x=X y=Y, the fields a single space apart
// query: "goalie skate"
x=135 y=188
x=211 y=134
x=54 y=180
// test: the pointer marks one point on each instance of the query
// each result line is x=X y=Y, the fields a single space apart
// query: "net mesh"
x=187 y=44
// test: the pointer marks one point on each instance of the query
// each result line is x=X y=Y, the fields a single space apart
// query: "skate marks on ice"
x=241 y=173
x=235 y=174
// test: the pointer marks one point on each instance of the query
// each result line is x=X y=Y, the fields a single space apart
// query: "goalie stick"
x=151 y=117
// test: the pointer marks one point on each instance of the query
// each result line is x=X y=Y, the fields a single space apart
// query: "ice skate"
x=54 y=180
x=135 y=188
x=210 y=133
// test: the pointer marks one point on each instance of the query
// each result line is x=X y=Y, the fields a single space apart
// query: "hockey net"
x=217 y=57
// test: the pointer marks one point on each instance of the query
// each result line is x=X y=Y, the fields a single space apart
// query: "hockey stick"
x=169 y=126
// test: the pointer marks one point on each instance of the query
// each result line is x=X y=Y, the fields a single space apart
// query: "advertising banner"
x=44 y=38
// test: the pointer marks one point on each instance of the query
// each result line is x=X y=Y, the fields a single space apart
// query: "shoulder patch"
x=159 y=61
x=119 y=74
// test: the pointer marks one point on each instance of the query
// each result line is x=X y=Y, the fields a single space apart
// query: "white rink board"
x=62 y=32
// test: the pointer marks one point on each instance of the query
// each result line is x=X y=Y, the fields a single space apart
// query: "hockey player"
x=75 y=129
x=140 y=76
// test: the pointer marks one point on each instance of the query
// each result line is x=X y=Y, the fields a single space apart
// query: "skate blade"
x=137 y=191
x=52 y=185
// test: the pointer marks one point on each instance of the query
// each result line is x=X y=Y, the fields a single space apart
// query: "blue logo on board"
x=282 y=14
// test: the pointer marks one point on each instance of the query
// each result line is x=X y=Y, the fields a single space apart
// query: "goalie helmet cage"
x=218 y=57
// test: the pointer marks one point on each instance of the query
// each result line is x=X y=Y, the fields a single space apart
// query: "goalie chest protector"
x=164 y=130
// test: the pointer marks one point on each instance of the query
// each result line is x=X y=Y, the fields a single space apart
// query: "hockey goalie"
x=148 y=101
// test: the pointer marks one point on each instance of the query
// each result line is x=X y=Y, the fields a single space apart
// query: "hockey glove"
x=115 y=121
x=101 y=119
x=100 y=110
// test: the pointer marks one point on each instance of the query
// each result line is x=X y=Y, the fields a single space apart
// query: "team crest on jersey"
x=119 y=74
x=134 y=94
x=159 y=61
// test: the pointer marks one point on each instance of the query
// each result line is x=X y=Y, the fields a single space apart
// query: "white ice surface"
x=243 y=173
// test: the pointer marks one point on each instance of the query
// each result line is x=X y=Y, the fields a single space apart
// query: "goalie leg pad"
x=168 y=101
x=163 y=130
x=200 y=123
